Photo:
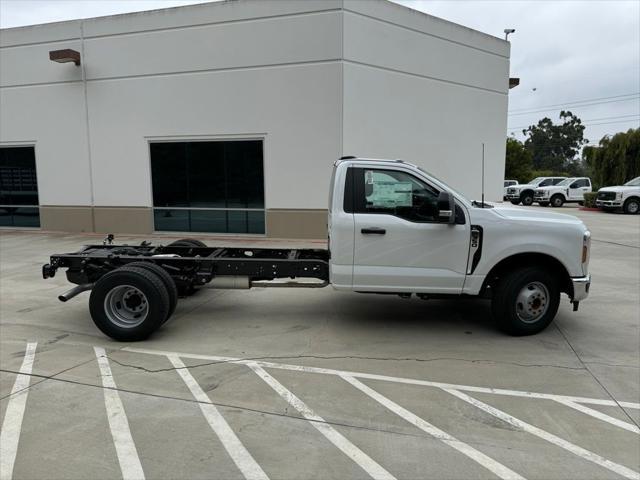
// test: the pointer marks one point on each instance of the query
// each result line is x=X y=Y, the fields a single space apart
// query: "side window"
x=394 y=193
x=547 y=182
x=579 y=183
x=556 y=181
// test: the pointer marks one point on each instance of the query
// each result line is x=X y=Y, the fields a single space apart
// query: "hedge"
x=590 y=199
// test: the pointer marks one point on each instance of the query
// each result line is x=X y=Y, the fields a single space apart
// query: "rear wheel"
x=631 y=206
x=557 y=201
x=168 y=282
x=187 y=242
x=129 y=304
x=525 y=301
x=527 y=199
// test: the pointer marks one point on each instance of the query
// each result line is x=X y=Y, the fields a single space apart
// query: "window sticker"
x=386 y=193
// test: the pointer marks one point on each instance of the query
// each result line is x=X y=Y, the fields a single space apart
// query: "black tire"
x=508 y=312
x=168 y=282
x=515 y=202
x=187 y=242
x=581 y=204
x=526 y=199
x=631 y=206
x=557 y=200
x=543 y=204
x=103 y=301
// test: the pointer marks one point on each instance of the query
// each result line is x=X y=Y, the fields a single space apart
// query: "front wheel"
x=557 y=201
x=631 y=206
x=525 y=301
x=527 y=199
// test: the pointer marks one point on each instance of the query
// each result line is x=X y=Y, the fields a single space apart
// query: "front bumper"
x=581 y=287
x=608 y=203
x=513 y=196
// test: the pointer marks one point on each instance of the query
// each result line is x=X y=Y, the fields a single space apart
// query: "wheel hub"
x=126 y=306
x=532 y=302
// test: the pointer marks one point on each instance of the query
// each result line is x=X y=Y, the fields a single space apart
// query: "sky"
x=578 y=55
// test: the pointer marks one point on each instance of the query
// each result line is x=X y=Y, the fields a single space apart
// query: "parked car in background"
x=524 y=193
x=625 y=196
x=507 y=184
x=570 y=190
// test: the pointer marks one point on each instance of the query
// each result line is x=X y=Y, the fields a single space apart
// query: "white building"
x=227 y=117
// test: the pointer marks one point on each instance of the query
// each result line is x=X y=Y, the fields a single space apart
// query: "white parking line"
x=12 y=423
x=549 y=437
x=118 y=423
x=239 y=454
x=387 y=378
x=358 y=456
x=601 y=416
x=487 y=462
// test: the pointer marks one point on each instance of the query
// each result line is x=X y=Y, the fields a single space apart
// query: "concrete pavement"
x=339 y=385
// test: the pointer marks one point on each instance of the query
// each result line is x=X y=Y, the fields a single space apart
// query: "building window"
x=18 y=187
x=214 y=186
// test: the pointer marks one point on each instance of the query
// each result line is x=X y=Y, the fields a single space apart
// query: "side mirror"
x=446 y=208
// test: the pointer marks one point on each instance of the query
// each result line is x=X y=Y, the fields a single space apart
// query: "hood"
x=525 y=214
x=620 y=188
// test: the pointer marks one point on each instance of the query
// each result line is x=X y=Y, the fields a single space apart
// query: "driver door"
x=399 y=244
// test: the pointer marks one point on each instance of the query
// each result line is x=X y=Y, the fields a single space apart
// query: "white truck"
x=524 y=193
x=393 y=229
x=507 y=184
x=570 y=190
x=626 y=197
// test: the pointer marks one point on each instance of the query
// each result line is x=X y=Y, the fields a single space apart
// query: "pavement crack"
x=345 y=357
x=566 y=339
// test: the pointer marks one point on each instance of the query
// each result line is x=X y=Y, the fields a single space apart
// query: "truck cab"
x=394 y=228
x=570 y=190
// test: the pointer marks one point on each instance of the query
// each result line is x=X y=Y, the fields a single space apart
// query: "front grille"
x=606 y=195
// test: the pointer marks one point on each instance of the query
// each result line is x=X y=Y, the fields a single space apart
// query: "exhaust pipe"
x=69 y=294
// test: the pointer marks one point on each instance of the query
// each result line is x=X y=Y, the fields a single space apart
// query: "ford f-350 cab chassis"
x=393 y=229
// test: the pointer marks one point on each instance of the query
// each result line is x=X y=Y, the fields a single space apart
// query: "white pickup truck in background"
x=570 y=190
x=524 y=193
x=626 y=197
x=393 y=229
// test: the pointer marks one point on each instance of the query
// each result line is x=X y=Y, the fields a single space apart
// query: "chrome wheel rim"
x=557 y=202
x=532 y=302
x=633 y=207
x=126 y=306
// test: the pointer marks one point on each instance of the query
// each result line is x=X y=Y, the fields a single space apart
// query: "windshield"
x=565 y=182
x=633 y=183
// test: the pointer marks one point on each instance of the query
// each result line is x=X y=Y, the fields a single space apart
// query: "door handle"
x=373 y=231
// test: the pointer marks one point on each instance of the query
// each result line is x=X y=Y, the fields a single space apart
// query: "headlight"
x=586 y=246
x=618 y=195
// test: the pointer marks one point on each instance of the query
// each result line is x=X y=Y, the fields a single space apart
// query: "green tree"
x=517 y=162
x=555 y=146
x=615 y=160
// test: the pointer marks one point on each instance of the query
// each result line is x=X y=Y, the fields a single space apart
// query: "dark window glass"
x=547 y=182
x=214 y=176
x=556 y=181
x=580 y=183
x=18 y=187
x=396 y=193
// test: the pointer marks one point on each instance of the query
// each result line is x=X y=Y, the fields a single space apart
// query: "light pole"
x=507 y=31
